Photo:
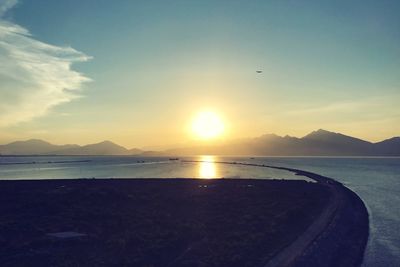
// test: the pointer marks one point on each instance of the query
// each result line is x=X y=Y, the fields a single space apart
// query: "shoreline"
x=337 y=238
x=348 y=226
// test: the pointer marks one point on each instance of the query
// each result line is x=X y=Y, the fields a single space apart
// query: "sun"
x=207 y=125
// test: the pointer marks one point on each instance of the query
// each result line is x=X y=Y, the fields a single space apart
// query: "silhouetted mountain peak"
x=332 y=137
x=30 y=142
x=135 y=151
x=104 y=144
x=31 y=146
x=391 y=146
x=40 y=147
x=101 y=148
x=392 y=140
x=320 y=133
x=269 y=136
x=288 y=137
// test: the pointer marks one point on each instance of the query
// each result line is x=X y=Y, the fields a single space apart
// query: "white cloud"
x=34 y=76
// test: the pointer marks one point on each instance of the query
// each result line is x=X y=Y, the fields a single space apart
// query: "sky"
x=137 y=72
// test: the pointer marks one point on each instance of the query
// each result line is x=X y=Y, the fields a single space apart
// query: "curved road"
x=290 y=254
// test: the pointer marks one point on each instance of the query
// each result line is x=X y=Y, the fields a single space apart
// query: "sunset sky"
x=138 y=72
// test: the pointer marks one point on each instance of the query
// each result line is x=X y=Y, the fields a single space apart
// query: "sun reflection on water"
x=207 y=168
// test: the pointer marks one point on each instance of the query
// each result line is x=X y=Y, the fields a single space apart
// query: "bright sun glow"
x=207 y=125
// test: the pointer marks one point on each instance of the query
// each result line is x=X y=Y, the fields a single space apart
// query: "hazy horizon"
x=193 y=142
x=138 y=74
x=317 y=143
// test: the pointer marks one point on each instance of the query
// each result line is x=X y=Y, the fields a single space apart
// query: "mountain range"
x=317 y=143
x=40 y=147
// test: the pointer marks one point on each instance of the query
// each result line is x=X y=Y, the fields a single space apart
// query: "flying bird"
x=259 y=71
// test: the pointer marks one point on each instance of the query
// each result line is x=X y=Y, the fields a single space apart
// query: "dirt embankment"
x=337 y=238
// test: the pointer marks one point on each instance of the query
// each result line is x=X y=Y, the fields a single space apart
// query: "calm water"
x=375 y=180
x=57 y=167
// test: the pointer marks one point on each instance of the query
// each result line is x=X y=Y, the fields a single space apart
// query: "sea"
x=375 y=180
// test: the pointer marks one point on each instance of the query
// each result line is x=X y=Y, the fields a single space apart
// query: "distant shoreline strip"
x=44 y=162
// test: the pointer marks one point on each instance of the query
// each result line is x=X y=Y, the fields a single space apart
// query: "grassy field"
x=153 y=222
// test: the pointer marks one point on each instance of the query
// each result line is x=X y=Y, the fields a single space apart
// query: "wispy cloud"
x=6 y=5
x=34 y=76
x=367 y=108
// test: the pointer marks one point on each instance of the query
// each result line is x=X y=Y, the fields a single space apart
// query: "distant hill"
x=102 y=148
x=32 y=146
x=332 y=144
x=317 y=143
x=391 y=146
x=40 y=147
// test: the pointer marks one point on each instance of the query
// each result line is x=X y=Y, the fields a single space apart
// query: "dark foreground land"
x=154 y=222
